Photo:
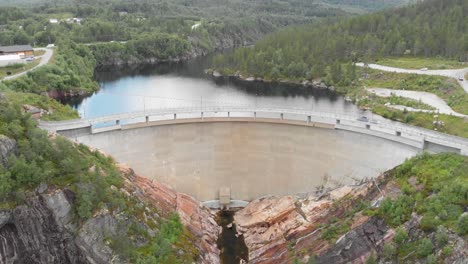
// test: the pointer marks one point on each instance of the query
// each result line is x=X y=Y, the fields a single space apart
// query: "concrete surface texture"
x=252 y=159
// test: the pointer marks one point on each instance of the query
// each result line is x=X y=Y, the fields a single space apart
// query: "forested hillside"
x=123 y=20
x=429 y=28
x=203 y=22
x=369 y=4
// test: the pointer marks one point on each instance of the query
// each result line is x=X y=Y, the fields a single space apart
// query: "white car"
x=461 y=79
x=424 y=69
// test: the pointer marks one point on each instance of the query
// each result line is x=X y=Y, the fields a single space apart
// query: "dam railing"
x=384 y=128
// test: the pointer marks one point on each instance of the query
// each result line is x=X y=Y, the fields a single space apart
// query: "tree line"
x=429 y=28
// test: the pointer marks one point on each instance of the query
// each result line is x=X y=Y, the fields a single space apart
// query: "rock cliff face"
x=43 y=229
x=37 y=232
x=278 y=230
x=198 y=219
x=7 y=147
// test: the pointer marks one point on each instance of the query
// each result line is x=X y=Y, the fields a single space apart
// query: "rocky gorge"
x=332 y=226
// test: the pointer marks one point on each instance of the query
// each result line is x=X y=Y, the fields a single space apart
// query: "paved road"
x=45 y=58
x=454 y=73
x=427 y=98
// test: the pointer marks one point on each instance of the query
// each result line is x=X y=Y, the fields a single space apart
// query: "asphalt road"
x=45 y=58
x=454 y=73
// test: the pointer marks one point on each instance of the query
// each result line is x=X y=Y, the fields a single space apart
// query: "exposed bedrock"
x=277 y=230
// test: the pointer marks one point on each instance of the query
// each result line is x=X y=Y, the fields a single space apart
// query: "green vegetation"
x=328 y=50
x=446 y=88
x=95 y=181
x=160 y=46
x=72 y=71
x=318 y=50
x=118 y=20
x=55 y=161
x=435 y=187
x=39 y=52
x=334 y=229
x=431 y=63
x=444 y=183
x=368 y=4
x=56 y=110
x=137 y=31
x=394 y=100
x=445 y=123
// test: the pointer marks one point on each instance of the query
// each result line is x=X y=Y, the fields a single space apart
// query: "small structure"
x=224 y=197
x=7 y=60
x=21 y=50
x=75 y=20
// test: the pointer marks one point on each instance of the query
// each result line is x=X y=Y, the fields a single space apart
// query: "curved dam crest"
x=253 y=159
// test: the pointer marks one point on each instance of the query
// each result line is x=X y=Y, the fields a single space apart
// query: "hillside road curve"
x=458 y=74
x=45 y=58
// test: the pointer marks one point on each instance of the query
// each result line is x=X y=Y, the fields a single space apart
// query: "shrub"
x=401 y=236
x=389 y=251
x=441 y=236
x=425 y=247
x=431 y=259
x=463 y=225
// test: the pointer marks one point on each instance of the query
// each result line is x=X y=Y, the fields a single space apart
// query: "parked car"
x=461 y=79
x=29 y=59
x=363 y=119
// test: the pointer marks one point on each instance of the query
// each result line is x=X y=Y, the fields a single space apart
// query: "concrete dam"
x=253 y=159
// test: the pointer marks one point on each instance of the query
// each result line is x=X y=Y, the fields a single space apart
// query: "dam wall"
x=253 y=159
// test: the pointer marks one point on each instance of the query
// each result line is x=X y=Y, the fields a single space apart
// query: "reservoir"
x=186 y=85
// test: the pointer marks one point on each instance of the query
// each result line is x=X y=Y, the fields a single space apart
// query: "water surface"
x=185 y=85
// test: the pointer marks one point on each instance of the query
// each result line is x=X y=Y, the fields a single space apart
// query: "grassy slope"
x=57 y=111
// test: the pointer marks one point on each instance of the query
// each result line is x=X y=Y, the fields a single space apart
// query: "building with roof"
x=21 y=50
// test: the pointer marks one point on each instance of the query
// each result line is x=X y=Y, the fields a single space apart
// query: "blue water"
x=186 y=85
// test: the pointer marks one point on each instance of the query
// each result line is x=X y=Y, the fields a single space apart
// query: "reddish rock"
x=199 y=220
x=278 y=230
